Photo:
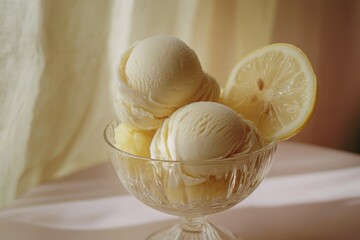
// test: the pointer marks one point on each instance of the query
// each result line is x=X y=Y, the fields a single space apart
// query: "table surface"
x=310 y=193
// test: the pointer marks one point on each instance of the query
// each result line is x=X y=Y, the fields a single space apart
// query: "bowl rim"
x=236 y=157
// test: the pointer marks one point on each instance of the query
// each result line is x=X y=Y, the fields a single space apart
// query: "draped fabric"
x=58 y=57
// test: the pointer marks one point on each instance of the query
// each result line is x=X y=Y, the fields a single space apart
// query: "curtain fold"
x=56 y=91
x=21 y=66
x=74 y=64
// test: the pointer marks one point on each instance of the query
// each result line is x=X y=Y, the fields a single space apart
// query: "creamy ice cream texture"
x=157 y=76
x=201 y=131
x=134 y=141
x=161 y=87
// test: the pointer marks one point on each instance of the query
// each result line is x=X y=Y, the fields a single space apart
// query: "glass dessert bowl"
x=172 y=187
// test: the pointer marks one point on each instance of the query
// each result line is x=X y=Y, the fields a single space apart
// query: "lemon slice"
x=275 y=87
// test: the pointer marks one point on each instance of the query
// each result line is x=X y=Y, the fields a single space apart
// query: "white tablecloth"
x=310 y=193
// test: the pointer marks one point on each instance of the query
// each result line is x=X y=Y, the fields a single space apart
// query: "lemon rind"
x=308 y=110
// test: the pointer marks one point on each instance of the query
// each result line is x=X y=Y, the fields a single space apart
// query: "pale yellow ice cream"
x=134 y=141
x=157 y=76
x=204 y=130
x=201 y=131
x=162 y=88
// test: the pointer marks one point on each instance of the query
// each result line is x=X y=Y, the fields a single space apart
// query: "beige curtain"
x=57 y=58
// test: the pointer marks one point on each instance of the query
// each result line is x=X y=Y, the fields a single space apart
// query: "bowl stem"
x=196 y=228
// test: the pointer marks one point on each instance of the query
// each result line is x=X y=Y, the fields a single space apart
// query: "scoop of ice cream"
x=157 y=76
x=165 y=68
x=133 y=141
x=204 y=130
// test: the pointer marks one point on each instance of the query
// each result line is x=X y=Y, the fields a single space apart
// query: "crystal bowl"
x=167 y=186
